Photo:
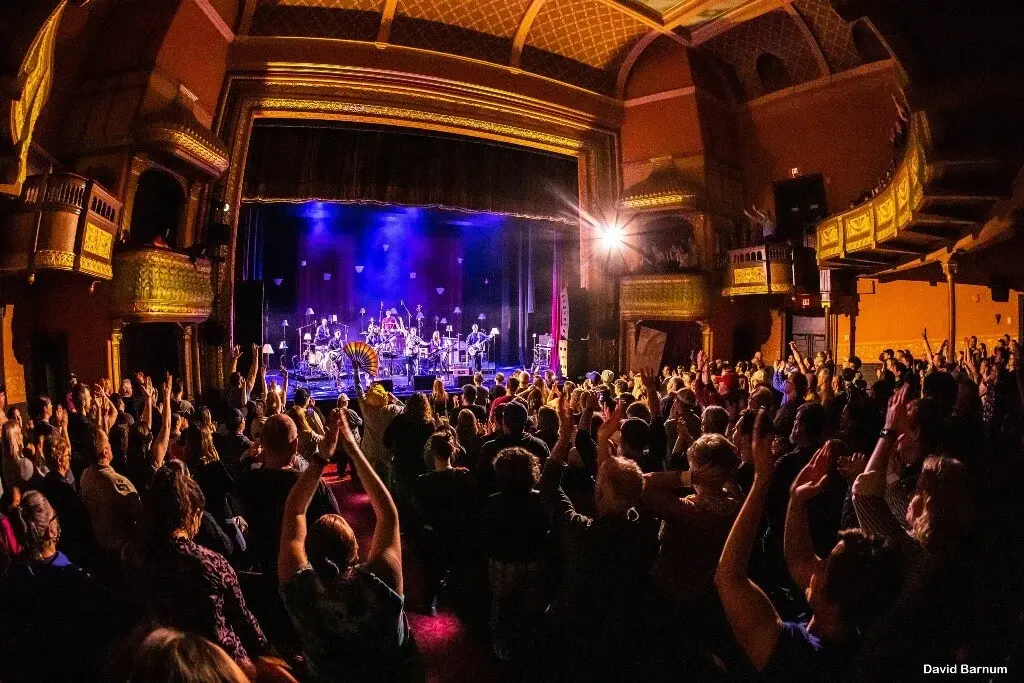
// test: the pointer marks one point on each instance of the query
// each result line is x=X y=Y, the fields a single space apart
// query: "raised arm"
x=927 y=344
x=236 y=353
x=385 y=554
x=292 y=557
x=147 y=410
x=801 y=362
x=754 y=621
x=650 y=382
x=797 y=545
x=163 y=438
x=254 y=368
x=608 y=429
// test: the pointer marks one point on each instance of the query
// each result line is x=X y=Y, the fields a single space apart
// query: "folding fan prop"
x=364 y=356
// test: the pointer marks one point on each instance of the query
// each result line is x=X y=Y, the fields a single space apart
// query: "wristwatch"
x=886 y=432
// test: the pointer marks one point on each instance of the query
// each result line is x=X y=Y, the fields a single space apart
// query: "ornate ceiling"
x=587 y=43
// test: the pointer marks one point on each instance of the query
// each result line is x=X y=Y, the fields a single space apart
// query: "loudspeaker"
x=388 y=384
x=461 y=371
x=463 y=380
x=1000 y=292
x=575 y=313
x=248 y=327
x=423 y=382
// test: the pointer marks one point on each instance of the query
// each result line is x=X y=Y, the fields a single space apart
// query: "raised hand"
x=764 y=458
x=236 y=352
x=812 y=478
x=60 y=415
x=850 y=466
x=649 y=378
x=336 y=423
x=612 y=425
x=255 y=352
x=896 y=416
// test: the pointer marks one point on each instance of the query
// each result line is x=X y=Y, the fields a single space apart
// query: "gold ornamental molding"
x=154 y=284
x=665 y=188
x=61 y=221
x=676 y=296
x=23 y=95
x=884 y=216
x=176 y=131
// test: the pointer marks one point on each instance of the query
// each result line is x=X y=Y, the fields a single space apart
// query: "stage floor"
x=325 y=389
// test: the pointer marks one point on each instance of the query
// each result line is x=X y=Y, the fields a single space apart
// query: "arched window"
x=772 y=73
x=157 y=210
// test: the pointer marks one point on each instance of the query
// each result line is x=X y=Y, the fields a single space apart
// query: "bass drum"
x=314 y=358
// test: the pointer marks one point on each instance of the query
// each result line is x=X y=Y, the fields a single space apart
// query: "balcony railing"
x=885 y=218
x=154 y=284
x=61 y=221
x=675 y=296
x=770 y=269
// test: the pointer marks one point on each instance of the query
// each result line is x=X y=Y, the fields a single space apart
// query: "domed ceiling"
x=582 y=42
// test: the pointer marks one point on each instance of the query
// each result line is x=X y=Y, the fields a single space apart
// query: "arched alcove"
x=157 y=209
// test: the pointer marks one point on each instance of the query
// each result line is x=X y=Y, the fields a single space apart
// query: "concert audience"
x=795 y=521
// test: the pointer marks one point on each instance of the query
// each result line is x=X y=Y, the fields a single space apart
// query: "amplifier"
x=461 y=371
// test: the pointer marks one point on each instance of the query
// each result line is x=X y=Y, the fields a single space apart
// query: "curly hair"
x=417 y=407
x=517 y=470
x=175 y=500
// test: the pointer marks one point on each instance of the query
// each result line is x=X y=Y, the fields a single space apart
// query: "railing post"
x=949 y=269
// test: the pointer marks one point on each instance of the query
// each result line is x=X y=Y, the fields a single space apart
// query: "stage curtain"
x=367 y=165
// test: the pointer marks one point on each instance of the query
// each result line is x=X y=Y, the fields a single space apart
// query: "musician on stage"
x=435 y=351
x=475 y=343
x=392 y=322
x=412 y=352
x=336 y=342
x=373 y=336
x=323 y=334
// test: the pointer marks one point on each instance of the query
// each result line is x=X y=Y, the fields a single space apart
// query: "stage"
x=326 y=391
x=436 y=287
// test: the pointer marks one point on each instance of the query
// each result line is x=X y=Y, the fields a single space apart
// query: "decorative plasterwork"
x=22 y=97
x=159 y=285
x=678 y=296
x=664 y=188
x=175 y=130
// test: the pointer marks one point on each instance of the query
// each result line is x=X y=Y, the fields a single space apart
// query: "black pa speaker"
x=463 y=380
x=248 y=327
x=423 y=382
x=575 y=313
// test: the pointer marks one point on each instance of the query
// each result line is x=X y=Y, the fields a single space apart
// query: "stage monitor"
x=463 y=380
x=423 y=382
x=389 y=385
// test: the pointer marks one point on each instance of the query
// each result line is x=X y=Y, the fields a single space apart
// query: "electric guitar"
x=473 y=350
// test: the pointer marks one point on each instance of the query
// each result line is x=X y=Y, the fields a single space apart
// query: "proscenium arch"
x=418 y=103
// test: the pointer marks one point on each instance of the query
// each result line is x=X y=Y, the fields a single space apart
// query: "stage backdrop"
x=460 y=267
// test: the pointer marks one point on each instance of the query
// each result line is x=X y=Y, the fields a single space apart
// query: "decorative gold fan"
x=364 y=356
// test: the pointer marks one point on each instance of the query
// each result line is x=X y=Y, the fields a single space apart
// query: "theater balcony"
x=60 y=222
x=153 y=284
x=936 y=203
x=771 y=269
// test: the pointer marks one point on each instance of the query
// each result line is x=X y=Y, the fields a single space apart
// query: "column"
x=188 y=358
x=115 y=352
x=949 y=269
x=628 y=345
x=829 y=336
x=707 y=338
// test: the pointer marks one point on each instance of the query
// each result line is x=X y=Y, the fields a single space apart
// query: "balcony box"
x=153 y=284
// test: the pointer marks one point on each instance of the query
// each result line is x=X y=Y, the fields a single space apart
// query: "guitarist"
x=475 y=343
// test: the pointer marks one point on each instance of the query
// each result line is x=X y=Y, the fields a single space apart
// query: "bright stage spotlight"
x=611 y=237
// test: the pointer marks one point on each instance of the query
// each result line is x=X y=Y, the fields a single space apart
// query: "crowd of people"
x=806 y=519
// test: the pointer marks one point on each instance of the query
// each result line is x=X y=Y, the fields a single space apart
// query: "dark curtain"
x=374 y=164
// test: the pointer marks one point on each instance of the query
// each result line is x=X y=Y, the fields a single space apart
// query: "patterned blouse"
x=195 y=589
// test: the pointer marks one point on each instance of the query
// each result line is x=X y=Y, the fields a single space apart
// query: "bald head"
x=280 y=441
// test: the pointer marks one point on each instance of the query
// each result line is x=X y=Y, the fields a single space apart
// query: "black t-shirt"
x=484 y=471
x=264 y=492
x=800 y=656
x=478 y=410
x=448 y=501
x=231 y=448
x=515 y=527
x=80 y=436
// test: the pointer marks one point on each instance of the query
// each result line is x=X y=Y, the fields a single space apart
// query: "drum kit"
x=400 y=348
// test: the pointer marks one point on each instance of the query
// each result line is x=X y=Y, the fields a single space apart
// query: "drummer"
x=336 y=342
x=373 y=335
x=392 y=322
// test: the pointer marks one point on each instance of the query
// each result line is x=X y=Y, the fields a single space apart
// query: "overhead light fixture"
x=327 y=277
x=440 y=290
x=278 y=281
x=482 y=316
x=359 y=269
x=309 y=311
x=386 y=247
x=303 y=264
x=412 y=275
x=611 y=236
